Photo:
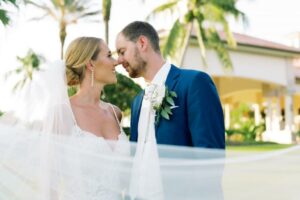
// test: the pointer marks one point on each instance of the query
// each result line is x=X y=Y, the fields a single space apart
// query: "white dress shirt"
x=146 y=177
x=145 y=119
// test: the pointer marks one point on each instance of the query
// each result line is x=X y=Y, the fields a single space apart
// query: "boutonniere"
x=163 y=103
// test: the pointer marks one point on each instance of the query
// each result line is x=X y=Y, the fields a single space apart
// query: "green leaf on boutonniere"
x=164 y=110
x=164 y=114
x=173 y=94
x=170 y=101
x=168 y=110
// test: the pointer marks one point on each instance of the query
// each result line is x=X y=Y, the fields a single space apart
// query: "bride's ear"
x=90 y=66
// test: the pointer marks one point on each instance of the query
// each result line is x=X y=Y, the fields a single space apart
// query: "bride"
x=82 y=121
x=89 y=63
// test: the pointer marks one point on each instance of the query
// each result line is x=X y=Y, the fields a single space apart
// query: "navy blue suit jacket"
x=197 y=121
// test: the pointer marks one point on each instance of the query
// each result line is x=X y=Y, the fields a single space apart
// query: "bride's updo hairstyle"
x=79 y=52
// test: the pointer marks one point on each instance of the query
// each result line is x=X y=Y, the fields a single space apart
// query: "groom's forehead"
x=122 y=42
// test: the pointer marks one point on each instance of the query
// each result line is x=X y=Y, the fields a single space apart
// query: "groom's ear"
x=143 y=42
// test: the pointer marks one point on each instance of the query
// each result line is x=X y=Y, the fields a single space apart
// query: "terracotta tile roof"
x=243 y=39
x=247 y=40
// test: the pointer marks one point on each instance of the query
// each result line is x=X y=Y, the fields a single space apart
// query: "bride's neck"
x=89 y=95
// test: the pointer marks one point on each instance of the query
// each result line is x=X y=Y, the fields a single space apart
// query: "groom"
x=197 y=117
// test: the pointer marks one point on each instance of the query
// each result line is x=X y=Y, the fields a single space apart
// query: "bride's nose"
x=116 y=62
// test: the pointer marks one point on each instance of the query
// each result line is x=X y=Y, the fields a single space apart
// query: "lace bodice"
x=112 y=145
x=106 y=180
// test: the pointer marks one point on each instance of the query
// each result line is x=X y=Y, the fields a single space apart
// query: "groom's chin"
x=133 y=75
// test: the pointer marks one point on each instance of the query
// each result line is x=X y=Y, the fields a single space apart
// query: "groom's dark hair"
x=137 y=28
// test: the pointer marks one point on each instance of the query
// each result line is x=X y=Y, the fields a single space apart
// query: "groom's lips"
x=126 y=66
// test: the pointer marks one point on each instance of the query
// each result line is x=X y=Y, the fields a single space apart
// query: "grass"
x=256 y=146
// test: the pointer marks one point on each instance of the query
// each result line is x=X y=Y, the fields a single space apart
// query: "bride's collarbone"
x=98 y=121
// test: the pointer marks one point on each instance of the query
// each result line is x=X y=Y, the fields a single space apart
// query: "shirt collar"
x=161 y=76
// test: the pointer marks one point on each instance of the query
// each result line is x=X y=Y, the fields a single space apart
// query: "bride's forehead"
x=103 y=47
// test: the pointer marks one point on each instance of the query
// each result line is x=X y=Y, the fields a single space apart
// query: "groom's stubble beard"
x=139 y=66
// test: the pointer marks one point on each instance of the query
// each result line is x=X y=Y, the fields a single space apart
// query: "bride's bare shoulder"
x=115 y=109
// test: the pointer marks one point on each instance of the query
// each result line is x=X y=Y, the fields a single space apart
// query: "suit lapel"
x=170 y=83
x=172 y=77
x=136 y=115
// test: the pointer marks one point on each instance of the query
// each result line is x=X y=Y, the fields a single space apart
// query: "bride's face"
x=104 y=66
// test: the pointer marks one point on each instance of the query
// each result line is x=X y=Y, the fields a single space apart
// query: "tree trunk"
x=62 y=36
x=106 y=31
x=186 y=43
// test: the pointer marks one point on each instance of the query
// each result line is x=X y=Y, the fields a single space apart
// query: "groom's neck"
x=154 y=64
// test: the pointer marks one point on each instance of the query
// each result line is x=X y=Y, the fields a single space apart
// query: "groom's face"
x=130 y=57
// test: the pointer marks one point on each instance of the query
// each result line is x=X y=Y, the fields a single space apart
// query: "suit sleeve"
x=205 y=114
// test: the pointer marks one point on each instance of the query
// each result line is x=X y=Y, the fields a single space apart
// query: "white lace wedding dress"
x=106 y=182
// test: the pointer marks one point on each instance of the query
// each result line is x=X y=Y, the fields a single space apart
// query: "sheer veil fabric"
x=44 y=155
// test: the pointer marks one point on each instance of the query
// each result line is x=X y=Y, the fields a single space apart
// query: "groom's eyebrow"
x=119 y=50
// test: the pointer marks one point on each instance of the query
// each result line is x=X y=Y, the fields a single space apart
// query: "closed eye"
x=121 y=52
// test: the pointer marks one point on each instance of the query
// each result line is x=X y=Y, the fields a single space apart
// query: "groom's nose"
x=120 y=60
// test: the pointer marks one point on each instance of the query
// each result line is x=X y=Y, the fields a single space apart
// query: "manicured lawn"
x=256 y=146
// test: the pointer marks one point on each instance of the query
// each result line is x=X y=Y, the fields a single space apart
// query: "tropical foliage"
x=65 y=12
x=29 y=65
x=206 y=18
x=122 y=93
x=4 y=18
x=242 y=125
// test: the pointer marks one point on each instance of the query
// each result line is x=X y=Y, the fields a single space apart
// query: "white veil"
x=41 y=159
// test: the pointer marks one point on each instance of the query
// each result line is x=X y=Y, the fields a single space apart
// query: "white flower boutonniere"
x=162 y=101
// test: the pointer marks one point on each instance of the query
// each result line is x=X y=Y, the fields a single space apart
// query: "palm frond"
x=10 y=1
x=216 y=16
x=4 y=17
x=200 y=39
x=174 y=46
x=170 y=6
x=88 y=14
x=227 y=6
x=214 y=41
x=43 y=6
x=39 y=18
x=20 y=84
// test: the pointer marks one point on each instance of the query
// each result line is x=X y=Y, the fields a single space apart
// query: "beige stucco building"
x=266 y=76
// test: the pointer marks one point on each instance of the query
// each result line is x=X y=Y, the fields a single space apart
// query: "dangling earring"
x=92 y=78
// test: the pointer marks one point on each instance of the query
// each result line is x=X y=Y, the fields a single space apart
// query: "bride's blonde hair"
x=78 y=53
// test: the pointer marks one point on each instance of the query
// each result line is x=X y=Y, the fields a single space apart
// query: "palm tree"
x=205 y=17
x=29 y=65
x=4 y=19
x=106 y=7
x=65 y=12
